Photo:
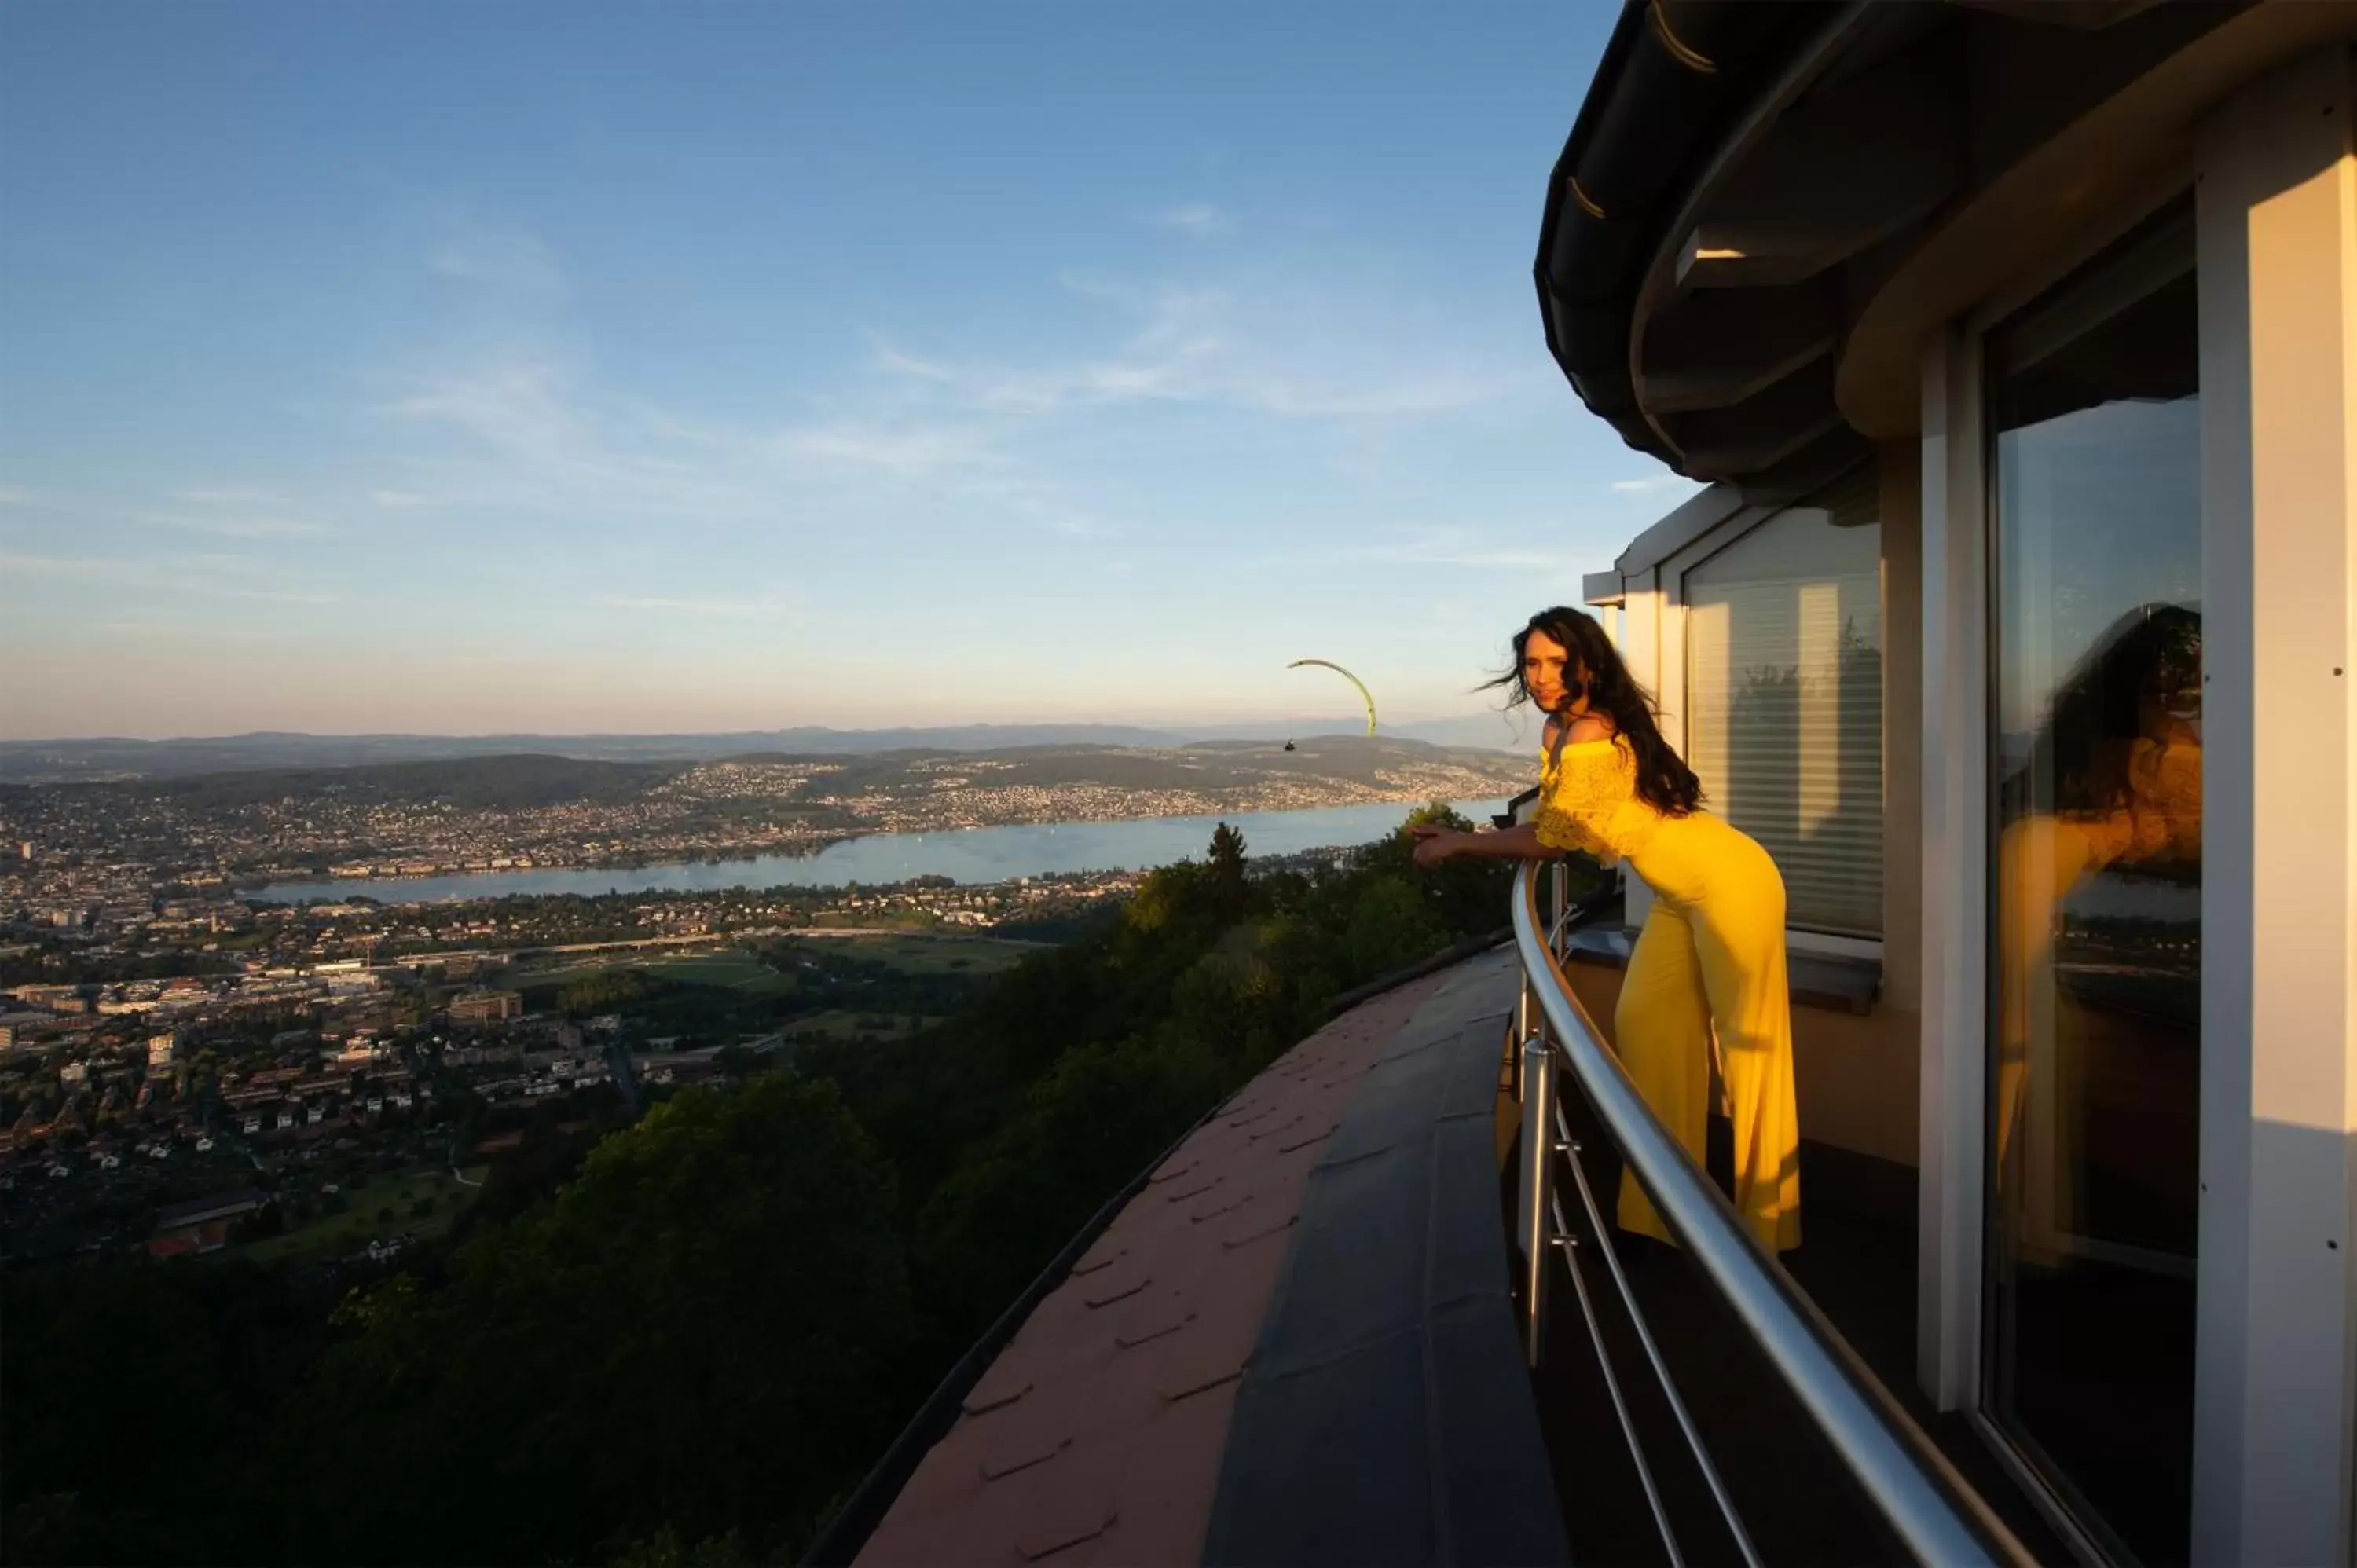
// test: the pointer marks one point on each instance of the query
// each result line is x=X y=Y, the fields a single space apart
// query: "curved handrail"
x=1931 y=1508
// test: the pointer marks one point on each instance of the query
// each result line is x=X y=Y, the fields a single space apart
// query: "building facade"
x=2016 y=345
x=486 y=1006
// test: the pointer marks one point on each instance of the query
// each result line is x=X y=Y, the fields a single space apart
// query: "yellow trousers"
x=1710 y=963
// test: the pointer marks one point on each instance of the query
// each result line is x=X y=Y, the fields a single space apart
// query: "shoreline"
x=809 y=848
x=948 y=848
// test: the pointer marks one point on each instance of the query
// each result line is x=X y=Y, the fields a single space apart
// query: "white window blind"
x=1784 y=700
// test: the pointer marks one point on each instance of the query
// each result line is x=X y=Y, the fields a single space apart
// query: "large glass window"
x=2095 y=913
x=1784 y=700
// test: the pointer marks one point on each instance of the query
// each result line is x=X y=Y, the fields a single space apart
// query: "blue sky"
x=592 y=367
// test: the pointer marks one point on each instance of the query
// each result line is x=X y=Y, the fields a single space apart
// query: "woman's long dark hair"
x=2078 y=759
x=1664 y=780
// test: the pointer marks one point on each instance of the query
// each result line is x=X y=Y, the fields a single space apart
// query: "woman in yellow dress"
x=1710 y=964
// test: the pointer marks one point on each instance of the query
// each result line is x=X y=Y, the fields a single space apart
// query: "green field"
x=926 y=953
x=914 y=952
x=335 y=1235
x=732 y=970
x=532 y=979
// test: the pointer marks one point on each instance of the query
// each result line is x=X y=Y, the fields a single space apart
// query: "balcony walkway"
x=1294 y=1343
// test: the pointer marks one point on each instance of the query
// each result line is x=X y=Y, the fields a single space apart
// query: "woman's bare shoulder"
x=1588 y=727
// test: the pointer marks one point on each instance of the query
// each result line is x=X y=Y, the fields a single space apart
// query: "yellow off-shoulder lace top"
x=1588 y=801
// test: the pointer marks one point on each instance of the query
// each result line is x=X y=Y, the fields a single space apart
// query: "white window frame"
x=1958 y=545
x=2275 y=1460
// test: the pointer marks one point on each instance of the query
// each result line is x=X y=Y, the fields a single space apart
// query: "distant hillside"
x=1209 y=765
x=477 y=783
x=1212 y=768
x=90 y=761
x=1490 y=731
x=61 y=761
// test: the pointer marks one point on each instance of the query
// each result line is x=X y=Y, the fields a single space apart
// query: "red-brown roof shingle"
x=1097 y=1435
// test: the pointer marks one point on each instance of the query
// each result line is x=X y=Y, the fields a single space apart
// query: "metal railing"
x=1934 y=1512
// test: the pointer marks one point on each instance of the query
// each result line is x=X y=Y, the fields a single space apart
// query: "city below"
x=188 y=1064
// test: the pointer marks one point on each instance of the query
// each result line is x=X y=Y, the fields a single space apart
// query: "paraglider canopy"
x=1364 y=695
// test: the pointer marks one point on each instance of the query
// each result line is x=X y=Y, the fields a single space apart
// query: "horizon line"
x=1353 y=720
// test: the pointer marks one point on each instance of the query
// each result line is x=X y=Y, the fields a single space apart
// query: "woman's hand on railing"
x=1436 y=844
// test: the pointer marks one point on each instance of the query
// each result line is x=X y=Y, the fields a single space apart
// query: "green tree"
x=1390 y=926
x=703 y=1333
x=1085 y=1130
x=1230 y=892
x=136 y=1396
x=608 y=991
x=107 y=1376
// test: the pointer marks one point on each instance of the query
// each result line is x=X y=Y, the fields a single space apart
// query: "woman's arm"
x=1520 y=841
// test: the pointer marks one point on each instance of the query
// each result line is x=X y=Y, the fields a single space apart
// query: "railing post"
x=1526 y=1021
x=1560 y=890
x=1538 y=1155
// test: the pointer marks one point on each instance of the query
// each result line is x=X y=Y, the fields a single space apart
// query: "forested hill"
x=692 y=1349
x=482 y=783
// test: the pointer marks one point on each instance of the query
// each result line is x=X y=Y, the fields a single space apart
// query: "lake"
x=966 y=855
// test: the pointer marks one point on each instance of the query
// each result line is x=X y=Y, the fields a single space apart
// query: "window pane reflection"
x=2096 y=1031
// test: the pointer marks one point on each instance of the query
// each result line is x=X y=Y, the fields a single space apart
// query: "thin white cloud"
x=1197 y=218
x=522 y=428
x=499 y=256
x=1205 y=345
x=535 y=433
x=90 y=569
x=210 y=576
x=212 y=634
x=530 y=437
x=910 y=449
x=760 y=607
x=1655 y=483
x=272 y=596
x=234 y=512
x=12 y=496
x=227 y=495
x=516 y=400
x=1460 y=548
x=894 y=362
x=1441 y=391
x=237 y=525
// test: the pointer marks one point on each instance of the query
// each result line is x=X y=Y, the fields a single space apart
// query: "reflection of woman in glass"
x=1711 y=957
x=2112 y=779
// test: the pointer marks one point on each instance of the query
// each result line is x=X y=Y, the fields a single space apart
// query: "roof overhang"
x=1746 y=184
